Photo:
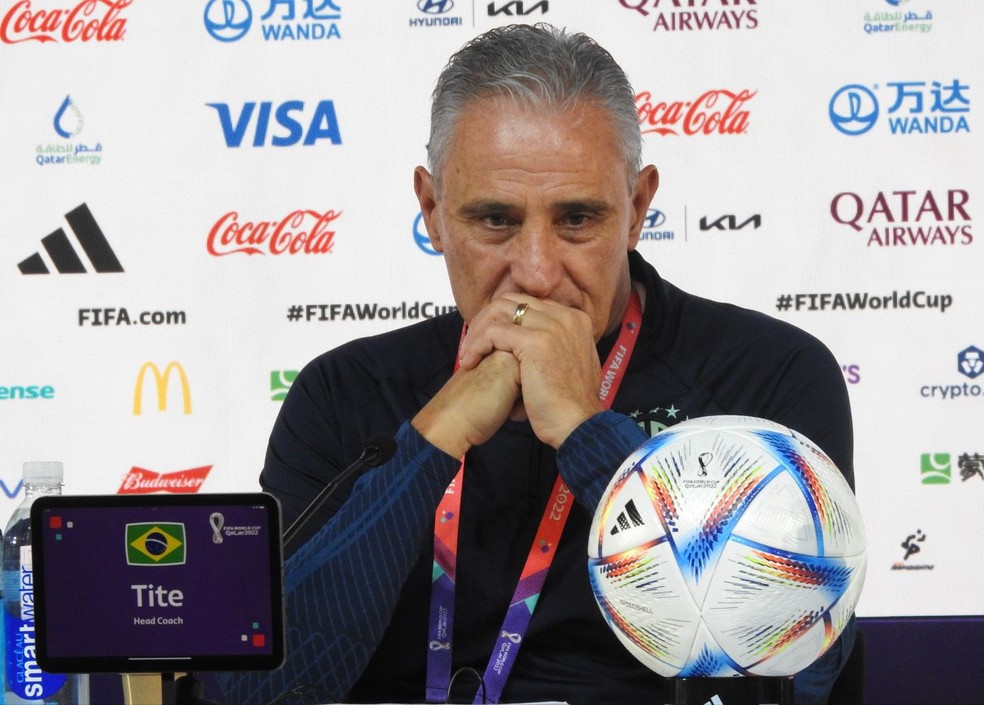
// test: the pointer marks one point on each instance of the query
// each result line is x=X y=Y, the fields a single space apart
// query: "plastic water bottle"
x=24 y=683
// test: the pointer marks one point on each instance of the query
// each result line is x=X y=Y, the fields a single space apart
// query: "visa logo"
x=290 y=118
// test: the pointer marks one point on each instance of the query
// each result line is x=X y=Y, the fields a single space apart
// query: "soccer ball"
x=727 y=546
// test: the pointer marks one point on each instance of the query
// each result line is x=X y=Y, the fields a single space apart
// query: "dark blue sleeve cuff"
x=594 y=451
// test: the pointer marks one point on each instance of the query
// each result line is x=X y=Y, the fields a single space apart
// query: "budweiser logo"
x=89 y=20
x=299 y=232
x=142 y=481
x=716 y=111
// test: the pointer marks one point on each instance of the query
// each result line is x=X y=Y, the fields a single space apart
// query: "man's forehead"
x=515 y=142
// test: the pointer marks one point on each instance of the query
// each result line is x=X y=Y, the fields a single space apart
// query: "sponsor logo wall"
x=197 y=198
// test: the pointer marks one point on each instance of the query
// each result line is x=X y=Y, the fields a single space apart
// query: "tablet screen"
x=157 y=583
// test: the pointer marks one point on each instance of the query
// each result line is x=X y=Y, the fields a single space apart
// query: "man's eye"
x=496 y=221
x=577 y=219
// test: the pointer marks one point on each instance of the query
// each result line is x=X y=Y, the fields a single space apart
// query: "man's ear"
x=423 y=186
x=646 y=186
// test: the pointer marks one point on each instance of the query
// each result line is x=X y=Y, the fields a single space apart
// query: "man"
x=536 y=195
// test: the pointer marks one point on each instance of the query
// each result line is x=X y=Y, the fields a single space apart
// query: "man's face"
x=536 y=203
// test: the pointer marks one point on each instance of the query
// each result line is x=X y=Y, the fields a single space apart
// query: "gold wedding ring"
x=520 y=312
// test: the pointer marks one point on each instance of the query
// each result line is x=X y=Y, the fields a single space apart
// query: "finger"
x=492 y=327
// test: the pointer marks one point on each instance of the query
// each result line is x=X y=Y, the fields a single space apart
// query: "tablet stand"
x=730 y=691
x=162 y=689
x=188 y=691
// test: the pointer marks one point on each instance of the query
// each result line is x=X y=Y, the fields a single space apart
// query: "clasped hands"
x=543 y=367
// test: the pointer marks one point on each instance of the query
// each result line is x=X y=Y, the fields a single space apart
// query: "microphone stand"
x=376 y=451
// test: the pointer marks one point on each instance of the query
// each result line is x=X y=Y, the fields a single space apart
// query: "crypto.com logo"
x=161 y=384
x=853 y=110
x=970 y=362
x=228 y=20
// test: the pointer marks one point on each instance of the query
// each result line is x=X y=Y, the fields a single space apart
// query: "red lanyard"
x=538 y=561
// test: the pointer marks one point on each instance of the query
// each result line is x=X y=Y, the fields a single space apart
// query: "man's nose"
x=536 y=265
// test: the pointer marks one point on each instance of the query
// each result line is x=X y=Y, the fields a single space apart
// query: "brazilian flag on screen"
x=156 y=543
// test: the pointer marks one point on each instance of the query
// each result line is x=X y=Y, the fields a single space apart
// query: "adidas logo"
x=63 y=255
x=628 y=518
x=715 y=700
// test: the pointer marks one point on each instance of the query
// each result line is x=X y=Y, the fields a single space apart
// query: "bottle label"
x=24 y=677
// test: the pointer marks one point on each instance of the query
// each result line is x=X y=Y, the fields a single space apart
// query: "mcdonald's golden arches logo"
x=161 y=380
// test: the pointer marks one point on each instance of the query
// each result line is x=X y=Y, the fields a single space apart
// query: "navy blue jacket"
x=358 y=592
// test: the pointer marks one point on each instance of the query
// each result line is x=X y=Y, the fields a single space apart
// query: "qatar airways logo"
x=906 y=218
x=143 y=481
x=300 y=232
x=714 y=112
x=88 y=20
x=695 y=15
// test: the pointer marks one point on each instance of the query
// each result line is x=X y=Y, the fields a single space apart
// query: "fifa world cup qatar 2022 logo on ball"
x=727 y=546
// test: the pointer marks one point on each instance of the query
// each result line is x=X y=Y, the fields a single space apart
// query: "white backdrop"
x=820 y=162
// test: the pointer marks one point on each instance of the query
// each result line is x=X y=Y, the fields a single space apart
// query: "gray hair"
x=538 y=65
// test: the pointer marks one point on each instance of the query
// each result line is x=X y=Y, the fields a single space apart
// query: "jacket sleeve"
x=338 y=603
x=591 y=454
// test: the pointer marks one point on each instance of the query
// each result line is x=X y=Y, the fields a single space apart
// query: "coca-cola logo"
x=719 y=112
x=143 y=481
x=300 y=232
x=89 y=20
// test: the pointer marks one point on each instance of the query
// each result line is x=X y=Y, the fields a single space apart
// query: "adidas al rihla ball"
x=727 y=546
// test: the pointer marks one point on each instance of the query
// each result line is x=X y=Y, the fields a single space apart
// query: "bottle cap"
x=40 y=472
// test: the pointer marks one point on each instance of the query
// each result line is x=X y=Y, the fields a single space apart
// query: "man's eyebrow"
x=588 y=205
x=481 y=208
x=485 y=207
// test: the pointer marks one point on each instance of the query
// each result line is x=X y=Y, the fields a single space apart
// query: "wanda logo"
x=301 y=232
x=719 y=112
x=89 y=20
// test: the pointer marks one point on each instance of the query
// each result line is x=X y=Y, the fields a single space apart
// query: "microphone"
x=377 y=450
